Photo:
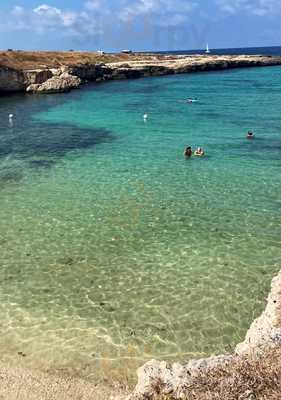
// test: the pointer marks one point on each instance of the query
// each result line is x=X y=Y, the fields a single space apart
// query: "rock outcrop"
x=89 y=72
x=265 y=331
x=56 y=84
x=157 y=377
x=179 y=65
x=11 y=80
x=37 y=76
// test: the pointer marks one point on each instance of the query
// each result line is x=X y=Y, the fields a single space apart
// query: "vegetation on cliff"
x=45 y=59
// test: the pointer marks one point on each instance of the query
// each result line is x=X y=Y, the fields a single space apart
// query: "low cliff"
x=50 y=77
x=11 y=80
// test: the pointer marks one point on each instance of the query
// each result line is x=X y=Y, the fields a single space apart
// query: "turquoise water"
x=114 y=248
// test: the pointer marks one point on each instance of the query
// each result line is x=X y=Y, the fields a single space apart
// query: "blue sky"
x=114 y=25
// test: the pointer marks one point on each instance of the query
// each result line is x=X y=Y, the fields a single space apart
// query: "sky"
x=140 y=25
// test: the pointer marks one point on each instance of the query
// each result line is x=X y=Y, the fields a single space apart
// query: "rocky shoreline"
x=63 y=78
x=156 y=379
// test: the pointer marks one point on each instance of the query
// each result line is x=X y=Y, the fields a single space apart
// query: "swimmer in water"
x=187 y=152
x=250 y=135
x=190 y=101
x=199 y=152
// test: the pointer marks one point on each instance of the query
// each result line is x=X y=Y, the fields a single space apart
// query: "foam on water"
x=113 y=246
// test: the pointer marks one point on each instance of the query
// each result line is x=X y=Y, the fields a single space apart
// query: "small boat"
x=207 y=51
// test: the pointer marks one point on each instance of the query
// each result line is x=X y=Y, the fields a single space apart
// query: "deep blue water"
x=270 y=51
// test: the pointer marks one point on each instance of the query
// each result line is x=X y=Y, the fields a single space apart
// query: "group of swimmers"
x=188 y=152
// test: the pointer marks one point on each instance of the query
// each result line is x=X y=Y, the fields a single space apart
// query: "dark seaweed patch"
x=50 y=141
x=40 y=144
x=10 y=176
x=260 y=147
x=41 y=164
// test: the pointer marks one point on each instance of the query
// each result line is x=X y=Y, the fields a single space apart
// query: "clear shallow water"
x=114 y=249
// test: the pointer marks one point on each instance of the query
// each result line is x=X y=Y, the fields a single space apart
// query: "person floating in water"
x=190 y=101
x=199 y=152
x=250 y=135
x=188 y=152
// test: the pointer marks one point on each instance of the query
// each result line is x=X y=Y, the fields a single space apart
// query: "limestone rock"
x=64 y=68
x=207 y=364
x=160 y=378
x=37 y=76
x=248 y=395
x=89 y=72
x=57 y=84
x=11 y=80
x=56 y=71
x=51 y=82
x=265 y=331
x=33 y=88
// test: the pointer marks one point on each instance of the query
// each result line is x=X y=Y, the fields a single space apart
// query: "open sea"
x=114 y=248
x=268 y=51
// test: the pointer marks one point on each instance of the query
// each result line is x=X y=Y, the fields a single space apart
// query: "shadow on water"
x=28 y=144
x=9 y=176
x=41 y=146
x=52 y=140
x=46 y=164
x=260 y=148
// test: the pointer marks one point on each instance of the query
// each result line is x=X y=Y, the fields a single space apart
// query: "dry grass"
x=41 y=59
x=243 y=380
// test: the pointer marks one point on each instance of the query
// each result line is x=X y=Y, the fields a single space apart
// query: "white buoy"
x=145 y=116
x=11 y=120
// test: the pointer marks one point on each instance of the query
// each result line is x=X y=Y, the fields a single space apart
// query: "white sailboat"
x=207 y=49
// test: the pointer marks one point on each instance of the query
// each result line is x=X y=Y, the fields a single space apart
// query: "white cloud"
x=95 y=5
x=232 y=6
x=253 y=7
x=18 y=11
x=268 y=7
x=171 y=12
x=52 y=16
x=47 y=11
x=93 y=14
x=45 y=18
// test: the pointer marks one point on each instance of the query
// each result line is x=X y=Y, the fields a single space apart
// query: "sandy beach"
x=20 y=383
